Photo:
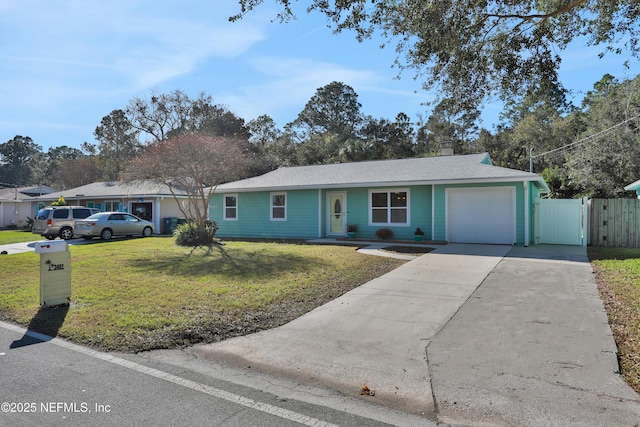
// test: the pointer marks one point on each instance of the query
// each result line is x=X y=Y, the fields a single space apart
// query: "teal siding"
x=306 y=207
x=439 y=221
x=440 y=217
x=302 y=214
x=419 y=212
x=357 y=211
x=254 y=216
x=520 y=213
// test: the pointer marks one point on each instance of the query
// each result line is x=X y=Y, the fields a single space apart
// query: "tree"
x=175 y=113
x=333 y=109
x=18 y=157
x=607 y=159
x=472 y=50
x=326 y=126
x=119 y=143
x=196 y=164
x=376 y=133
x=401 y=137
x=72 y=173
x=263 y=131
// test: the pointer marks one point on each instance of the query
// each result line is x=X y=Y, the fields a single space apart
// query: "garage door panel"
x=481 y=215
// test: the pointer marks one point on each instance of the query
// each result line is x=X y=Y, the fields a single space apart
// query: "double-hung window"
x=278 y=206
x=111 y=206
x=230 y=207
x=389 y=207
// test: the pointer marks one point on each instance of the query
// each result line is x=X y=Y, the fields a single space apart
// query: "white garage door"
x=481 y=215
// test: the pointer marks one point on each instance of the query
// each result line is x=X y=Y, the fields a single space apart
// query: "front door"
x=337 y=214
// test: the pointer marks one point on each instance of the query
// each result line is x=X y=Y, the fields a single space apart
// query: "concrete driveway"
x=467 y=335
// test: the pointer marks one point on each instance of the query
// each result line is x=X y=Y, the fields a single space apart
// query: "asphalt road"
x=56 y=383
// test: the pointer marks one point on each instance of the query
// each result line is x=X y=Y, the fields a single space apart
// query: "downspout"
x=433 y=212
x=526 y=213
x=319 y=212
x=156 y=217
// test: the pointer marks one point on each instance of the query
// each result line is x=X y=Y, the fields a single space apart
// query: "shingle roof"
x=24 y=193
x=413 y=171
x=114 y=189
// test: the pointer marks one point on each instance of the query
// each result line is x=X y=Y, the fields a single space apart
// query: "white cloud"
x=71 y=48
x=287 y=84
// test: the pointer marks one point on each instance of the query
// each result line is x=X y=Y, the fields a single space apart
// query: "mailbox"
x=51 y=246
x=55 y=272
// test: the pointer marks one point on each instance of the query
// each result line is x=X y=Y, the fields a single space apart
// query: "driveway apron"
x=532 y=347
x=375 y=334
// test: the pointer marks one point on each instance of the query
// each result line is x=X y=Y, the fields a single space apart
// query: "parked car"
x=57 y=221
x=108 y=224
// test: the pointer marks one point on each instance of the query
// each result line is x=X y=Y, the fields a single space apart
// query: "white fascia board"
x=634 y=186
x=382 y=184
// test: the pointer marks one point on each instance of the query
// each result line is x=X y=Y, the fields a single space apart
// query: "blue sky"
x=64 y=65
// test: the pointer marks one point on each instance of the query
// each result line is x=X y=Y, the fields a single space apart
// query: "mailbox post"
x=55 y=272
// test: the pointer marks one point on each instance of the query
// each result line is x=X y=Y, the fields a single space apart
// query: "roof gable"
x=634 y=186
x=412 y=171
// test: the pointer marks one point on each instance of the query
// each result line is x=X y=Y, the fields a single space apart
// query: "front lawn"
x=618 y=276
x=17 y=236
x=140 y=294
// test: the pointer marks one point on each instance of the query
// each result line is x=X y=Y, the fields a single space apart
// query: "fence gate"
x=561 y=221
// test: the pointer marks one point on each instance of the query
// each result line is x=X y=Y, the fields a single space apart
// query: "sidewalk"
x=16 y=248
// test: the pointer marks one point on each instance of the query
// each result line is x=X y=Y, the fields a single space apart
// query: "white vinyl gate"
x=561 y=221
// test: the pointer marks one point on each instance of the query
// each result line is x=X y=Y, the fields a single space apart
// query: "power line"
x=584 y=140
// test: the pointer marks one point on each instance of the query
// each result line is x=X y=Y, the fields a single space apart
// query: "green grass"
x=17 y=236
x=140 y=294
x=618 y=276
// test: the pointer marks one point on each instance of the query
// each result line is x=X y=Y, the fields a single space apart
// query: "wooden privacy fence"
x=615 y=222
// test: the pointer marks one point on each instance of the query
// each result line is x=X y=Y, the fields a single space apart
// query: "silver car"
x=57 y=221
x=108 y=224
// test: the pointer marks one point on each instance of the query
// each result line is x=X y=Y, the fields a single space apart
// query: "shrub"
x=419 y=232
x=192 y=235
x=384 y=233
x=353 y=228
x=59 y=202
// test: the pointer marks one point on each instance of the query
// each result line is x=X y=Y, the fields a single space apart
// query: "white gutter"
x=380 y=184
x=433 y=212
x=527 y=241
x=319 y=212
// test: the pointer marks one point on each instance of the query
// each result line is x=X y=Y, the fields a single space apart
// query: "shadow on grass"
x=232 y=262
x=44 y=326
x=604 y=253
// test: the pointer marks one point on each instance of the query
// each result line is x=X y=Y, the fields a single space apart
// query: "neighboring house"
x=451 y=198
x=16 y=207
x=146 y=199
x=634 y=187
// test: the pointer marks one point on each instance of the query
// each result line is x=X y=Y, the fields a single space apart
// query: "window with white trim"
x=278 y=206
x=111 y=206
x=230 y=207
x=389 y=207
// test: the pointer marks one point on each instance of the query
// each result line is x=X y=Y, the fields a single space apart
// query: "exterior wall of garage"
x=439 y=210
